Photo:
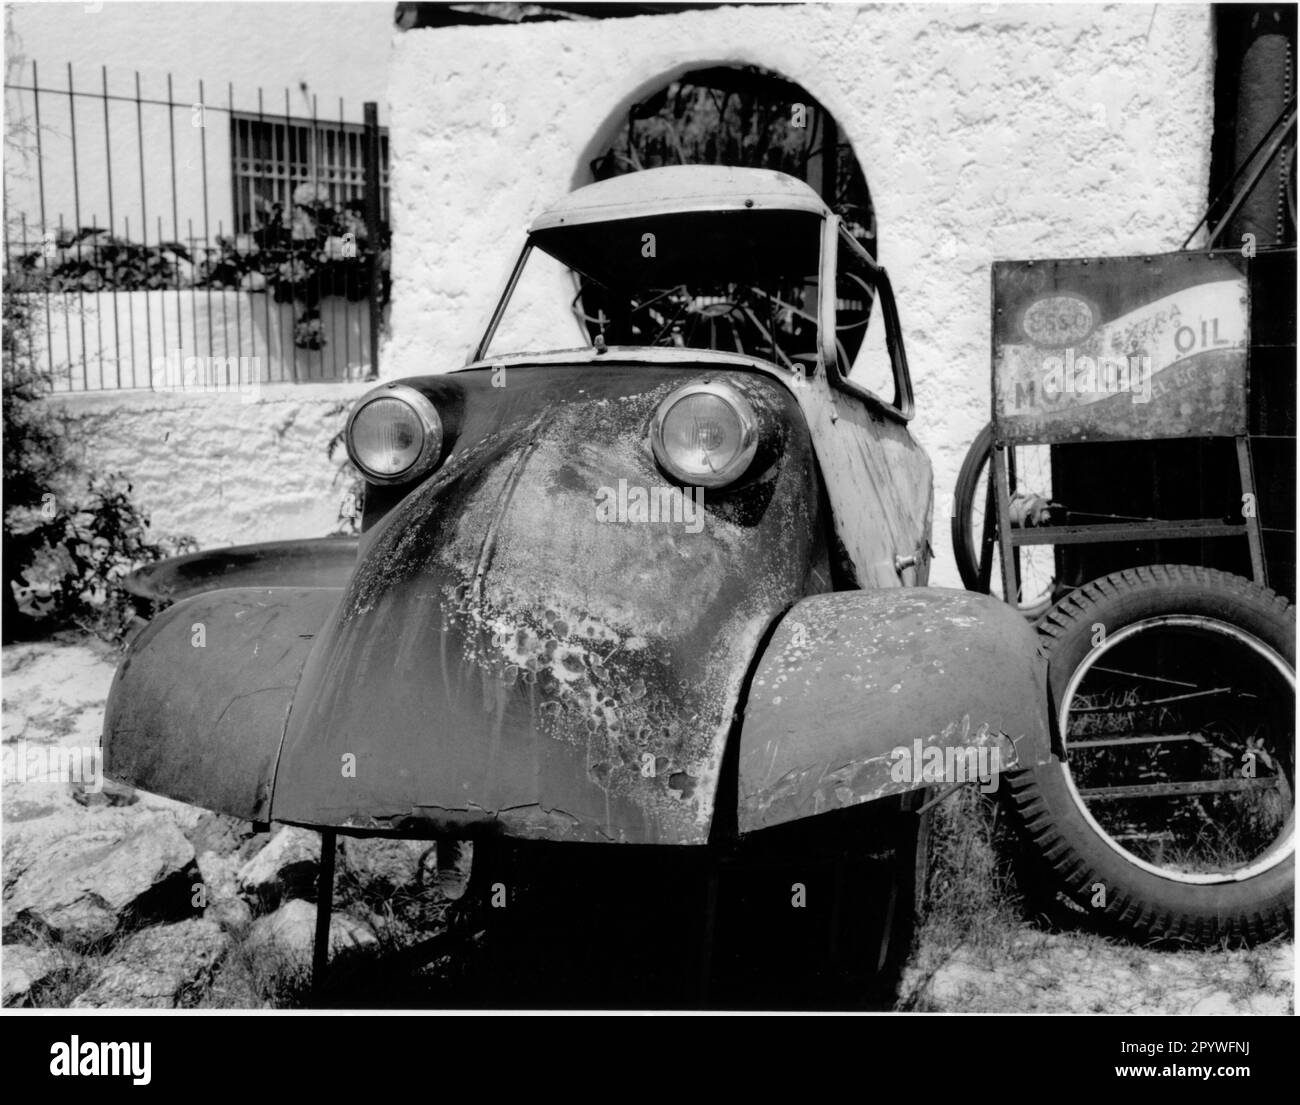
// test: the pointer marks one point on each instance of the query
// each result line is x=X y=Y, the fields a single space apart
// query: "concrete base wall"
x=220 y=467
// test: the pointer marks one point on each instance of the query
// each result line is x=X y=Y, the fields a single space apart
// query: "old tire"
x=964 y=539
x=1072 y=852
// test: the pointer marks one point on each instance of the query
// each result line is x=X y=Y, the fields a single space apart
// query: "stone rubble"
x=151 y=968
x=90 y=880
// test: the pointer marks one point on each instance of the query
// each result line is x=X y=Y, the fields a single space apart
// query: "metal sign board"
x=1120 y=348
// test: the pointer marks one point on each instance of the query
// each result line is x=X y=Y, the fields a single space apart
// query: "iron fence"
x=245 y=246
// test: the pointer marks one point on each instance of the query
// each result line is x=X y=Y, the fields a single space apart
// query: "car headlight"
x=705 y=434
x=394 y=434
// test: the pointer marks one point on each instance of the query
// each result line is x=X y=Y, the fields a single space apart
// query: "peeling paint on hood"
x=504 y=660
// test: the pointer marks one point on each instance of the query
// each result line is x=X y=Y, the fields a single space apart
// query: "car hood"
x=508 y=657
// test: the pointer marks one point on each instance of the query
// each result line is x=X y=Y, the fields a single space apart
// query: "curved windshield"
x=737 y=282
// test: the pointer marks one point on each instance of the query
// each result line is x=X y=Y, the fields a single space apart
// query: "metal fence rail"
x=167 y=253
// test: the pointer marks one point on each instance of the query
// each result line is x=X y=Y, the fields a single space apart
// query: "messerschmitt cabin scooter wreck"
x=663 y=590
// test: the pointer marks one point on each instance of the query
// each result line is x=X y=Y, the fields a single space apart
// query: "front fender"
x=855 y=689
x=199 y=704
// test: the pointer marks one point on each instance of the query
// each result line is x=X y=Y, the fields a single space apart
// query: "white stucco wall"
x=985 y=132
x=226 y=470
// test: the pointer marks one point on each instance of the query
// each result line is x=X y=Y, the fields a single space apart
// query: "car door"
x=878 y=479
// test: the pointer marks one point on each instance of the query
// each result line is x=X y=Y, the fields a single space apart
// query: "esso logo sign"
x=1058 y=320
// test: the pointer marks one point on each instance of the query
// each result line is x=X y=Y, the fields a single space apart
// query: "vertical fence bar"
x=45 y=250
x=268 y=257
x=130 y=307
x=176 y=222
x=108 y=179
x=76 y=214
x=99 y=314
x=144 y=234
x=371 y=152
x=225 y=318
x=194 y=294
x=238 y=292
x=315 y=187
x=243 y=207
x=289 y=152
x=207 y=235
x=162 y=296
x=347 y=298
x=67 y=326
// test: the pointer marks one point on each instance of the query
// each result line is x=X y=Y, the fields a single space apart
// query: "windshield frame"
x=480 y=352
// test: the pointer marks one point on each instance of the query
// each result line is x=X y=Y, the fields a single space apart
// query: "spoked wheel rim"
x=1030 y=474
x=1269 y=787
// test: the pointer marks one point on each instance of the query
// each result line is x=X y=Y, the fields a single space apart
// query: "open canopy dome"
x=679 y=189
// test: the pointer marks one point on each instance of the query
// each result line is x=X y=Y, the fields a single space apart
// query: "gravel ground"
x=54 y=693
x=1030 y=971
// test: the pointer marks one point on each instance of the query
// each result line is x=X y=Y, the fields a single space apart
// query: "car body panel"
x=199 y=703
x=312 y=562
x=504 y=658
x=849 y=679
x=879 y=483
x=680 y=190
x=505 y=661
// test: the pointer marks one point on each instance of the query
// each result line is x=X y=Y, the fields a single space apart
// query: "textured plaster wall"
x=226 y=470
x=985 y=131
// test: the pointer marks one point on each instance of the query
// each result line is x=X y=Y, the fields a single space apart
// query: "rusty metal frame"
x=480 y=350
x=834 y=234
x=1010 y=539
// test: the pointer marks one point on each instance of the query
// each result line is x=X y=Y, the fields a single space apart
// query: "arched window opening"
x=745 y=117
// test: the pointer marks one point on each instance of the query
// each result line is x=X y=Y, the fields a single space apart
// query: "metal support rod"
x=324 y=907
x=1281 y=121
x=998 y=474
x=989 y=538
x=371 y=154
x=1246 y=472
x=1126 y=531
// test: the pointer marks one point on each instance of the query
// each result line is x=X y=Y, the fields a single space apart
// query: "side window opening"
x=861 y=328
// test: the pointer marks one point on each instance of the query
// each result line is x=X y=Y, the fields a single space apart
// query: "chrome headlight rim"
x=430 y=423
x=749 y=434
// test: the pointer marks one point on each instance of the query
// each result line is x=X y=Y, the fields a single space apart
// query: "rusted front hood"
x=506 y=659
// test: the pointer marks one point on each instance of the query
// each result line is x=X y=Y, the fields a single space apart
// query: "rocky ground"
x=114 y=898
x=118 y=898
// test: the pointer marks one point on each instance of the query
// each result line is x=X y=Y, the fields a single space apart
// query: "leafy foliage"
x=352 y=504
x=35 y=453
x=748 y=118
x=69 y=538
x=302 y=255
